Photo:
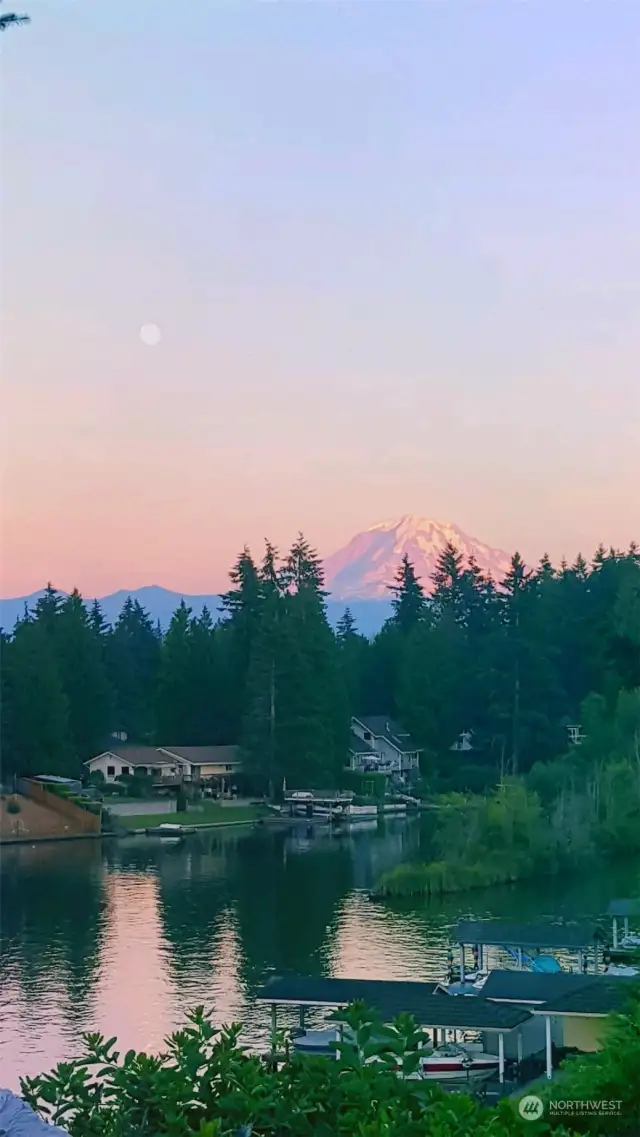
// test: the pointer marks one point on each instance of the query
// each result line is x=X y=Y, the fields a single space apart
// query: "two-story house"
x=380 y=745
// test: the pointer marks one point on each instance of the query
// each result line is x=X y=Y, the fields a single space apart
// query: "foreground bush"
x=206 y=1083
x=612 y=1074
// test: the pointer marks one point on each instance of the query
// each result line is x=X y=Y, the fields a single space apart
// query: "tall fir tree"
x=450 y=583
x=35 y=712
x=133 y=657
x=408 y=599
x=296 y=722
x=241 y=611
x=303 y=568
x=173 y=718
x=353 y=654
x=84 y=679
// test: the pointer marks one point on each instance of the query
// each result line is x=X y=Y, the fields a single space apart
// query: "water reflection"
x=123 y=937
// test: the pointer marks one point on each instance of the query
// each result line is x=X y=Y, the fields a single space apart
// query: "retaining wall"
x=80 y=820
x=134 y=808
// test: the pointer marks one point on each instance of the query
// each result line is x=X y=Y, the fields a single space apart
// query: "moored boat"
x=621 y=970
x=473 y=984
x=452 y=1062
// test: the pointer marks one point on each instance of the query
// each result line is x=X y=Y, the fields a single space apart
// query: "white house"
x=124 y=761
x=380 y=745
x=169 y=764
x=206 y=763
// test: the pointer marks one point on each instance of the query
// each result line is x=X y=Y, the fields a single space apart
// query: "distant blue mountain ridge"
x=161 y=603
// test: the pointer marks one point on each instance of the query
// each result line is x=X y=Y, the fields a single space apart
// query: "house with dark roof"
x=380 y=745
x=169 y=764
x=570 y=1009
x=206 y=763
x=583 y=1013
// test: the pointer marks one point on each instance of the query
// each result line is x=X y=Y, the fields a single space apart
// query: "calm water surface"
x=124 y=936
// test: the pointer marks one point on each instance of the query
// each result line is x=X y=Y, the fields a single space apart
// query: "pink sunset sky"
x=394 y=254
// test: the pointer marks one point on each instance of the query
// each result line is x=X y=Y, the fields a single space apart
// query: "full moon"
x=150 y=334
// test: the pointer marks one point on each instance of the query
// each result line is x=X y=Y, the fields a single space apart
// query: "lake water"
x=124 y=936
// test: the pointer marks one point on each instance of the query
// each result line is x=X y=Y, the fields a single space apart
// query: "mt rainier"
x=366 y=567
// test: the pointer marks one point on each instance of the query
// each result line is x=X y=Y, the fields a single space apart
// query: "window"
x=367 y=736
x=228 y=768
x=111 y=771
x=155 y=771
x=125 y=771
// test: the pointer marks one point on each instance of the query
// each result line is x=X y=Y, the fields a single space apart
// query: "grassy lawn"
x=212 y=813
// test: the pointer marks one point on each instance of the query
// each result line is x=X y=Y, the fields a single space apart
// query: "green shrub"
x=57 y=789
x=114 y=789
x=14 y=807
x=136 y=785
x=207 y=1083
x=365 y=785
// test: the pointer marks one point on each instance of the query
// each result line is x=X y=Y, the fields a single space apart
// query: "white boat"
x=454 y=1063
x=315 y=1041
x=451 y=1062
x=621 y=970
x=473 y=984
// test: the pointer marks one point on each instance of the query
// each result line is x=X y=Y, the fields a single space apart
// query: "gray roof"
x=357 y=745
x=542 y=936
x=56 y=779
x=386 y=727
x=390 y=999
x=533 y=987
x=624 y=908
x=602 y=997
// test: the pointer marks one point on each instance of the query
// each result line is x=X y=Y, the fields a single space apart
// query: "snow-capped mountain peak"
x=367 y=565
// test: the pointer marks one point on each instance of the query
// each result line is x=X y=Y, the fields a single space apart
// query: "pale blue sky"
x=394 y=251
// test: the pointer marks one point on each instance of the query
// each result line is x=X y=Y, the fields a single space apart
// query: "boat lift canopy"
x=440 y=1012
x=541 y=937
x=622 y=909
x=515 y=938
x=390 y=998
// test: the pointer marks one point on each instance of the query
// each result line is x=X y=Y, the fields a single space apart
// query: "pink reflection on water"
x=135 y=996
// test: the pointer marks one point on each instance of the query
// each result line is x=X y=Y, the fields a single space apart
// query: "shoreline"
x=121 y=834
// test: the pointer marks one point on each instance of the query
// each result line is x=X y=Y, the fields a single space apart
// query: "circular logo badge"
x=531 y=1107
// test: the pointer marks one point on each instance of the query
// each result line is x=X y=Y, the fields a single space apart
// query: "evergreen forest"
x=512 y=664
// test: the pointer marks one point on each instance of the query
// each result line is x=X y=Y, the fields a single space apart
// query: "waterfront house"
x=170 y=765
x=126 y=761
x=211 y=765
x=379 y=745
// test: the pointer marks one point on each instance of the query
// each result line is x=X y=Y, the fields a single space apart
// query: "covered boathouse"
x=519 y=939
x=436 y=1011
